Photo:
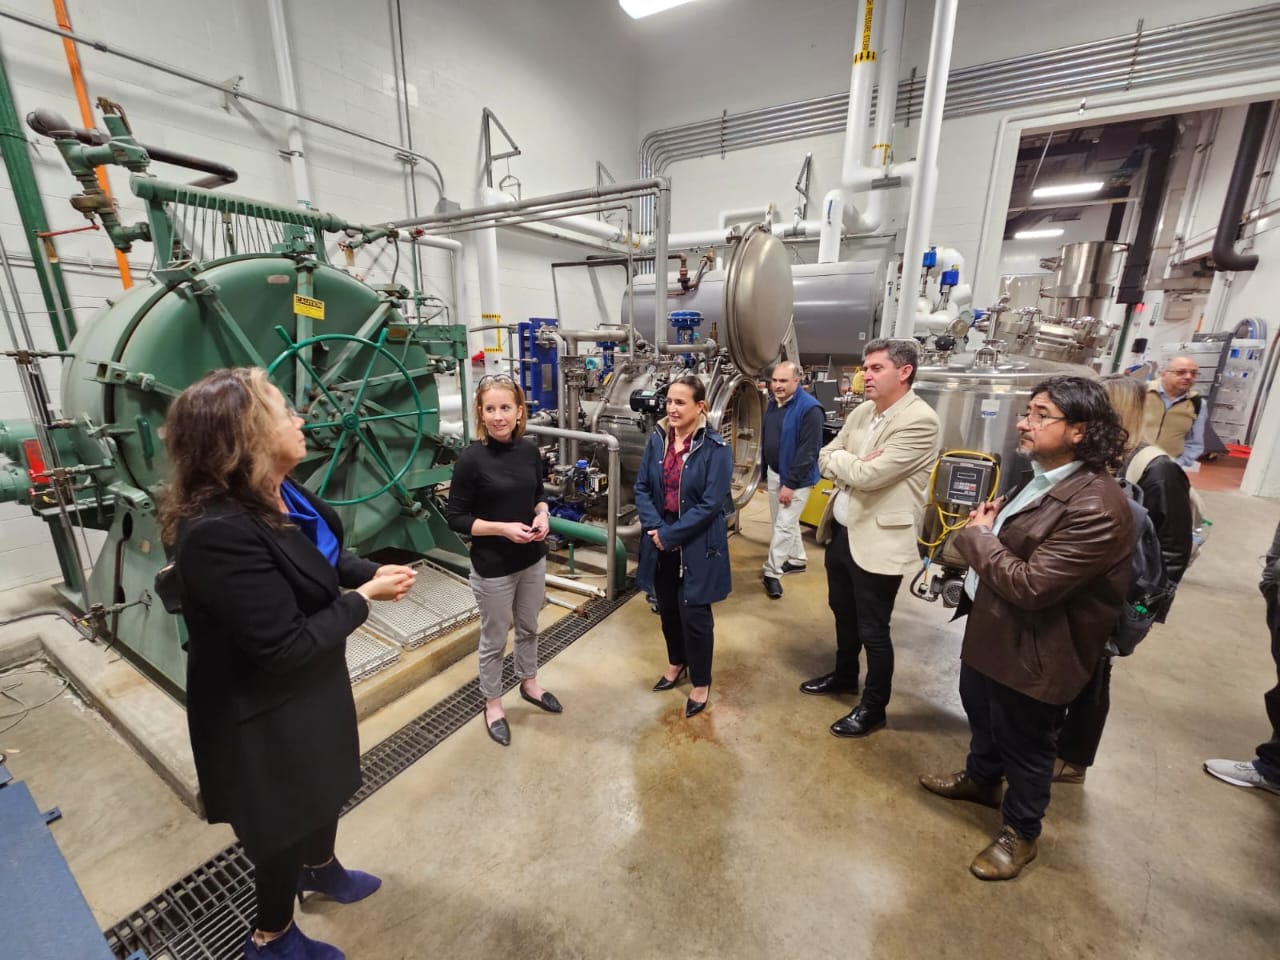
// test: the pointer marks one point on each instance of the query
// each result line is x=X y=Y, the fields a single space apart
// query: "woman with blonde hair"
x=496 y=497
x=1166 y=495
x=260 y=564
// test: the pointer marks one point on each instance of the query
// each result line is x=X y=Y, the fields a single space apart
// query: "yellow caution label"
x=307 y=307
x=865 y=56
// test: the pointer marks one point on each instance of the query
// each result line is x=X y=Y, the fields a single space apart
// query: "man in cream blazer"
x=880 y=464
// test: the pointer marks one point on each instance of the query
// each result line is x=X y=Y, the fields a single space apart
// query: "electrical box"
x=963 y=482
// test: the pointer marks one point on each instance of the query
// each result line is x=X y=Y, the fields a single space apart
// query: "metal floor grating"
x=207 y=914
x=438 y=601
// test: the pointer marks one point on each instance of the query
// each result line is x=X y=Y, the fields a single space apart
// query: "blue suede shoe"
x=293 y=945
x=334 y=880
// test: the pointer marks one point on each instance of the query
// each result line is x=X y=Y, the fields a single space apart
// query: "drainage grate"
x=207 y=914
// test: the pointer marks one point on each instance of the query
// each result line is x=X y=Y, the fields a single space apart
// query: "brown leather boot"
x=959 y=786
x=1064 y=771
x=1005 y=857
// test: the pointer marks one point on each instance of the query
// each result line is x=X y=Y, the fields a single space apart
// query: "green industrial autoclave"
x=236 y=283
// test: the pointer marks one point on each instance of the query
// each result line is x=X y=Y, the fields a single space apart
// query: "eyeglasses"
x=1038 y=419
x=494 y=378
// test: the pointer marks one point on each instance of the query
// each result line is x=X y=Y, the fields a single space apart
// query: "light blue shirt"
x=1194 y=444
x=1041 y=482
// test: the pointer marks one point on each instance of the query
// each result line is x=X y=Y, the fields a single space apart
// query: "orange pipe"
x=86 y=118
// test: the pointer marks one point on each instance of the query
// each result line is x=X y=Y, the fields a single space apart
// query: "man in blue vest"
x=789 y=451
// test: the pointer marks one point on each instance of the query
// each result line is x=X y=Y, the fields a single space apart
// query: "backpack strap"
x=1142 y=458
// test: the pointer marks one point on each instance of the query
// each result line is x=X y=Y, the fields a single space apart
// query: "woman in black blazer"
x=259 y=564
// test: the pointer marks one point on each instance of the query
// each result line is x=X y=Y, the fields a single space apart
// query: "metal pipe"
x=223 y=88
x=920 y=216
x=492 y=211
x=26 y=193
x=1243 y=38
x=1224 y=252
x=564 y=583
x=661 y=229
x=289 y=93
x=86 y=117
x=37 y=396
x=613 y=336
x=614 y=473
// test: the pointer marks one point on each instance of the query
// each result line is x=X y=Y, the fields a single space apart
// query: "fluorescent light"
x=1036 y=234
x=642 y=8
x=1068 y=189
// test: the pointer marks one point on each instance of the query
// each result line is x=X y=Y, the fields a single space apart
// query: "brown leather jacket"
x=1050 y=587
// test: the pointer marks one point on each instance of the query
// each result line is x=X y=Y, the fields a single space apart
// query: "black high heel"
x=692 y=707
x=665 y=684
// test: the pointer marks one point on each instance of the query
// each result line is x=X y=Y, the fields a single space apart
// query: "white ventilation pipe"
x=920 y=215
x=289 y=98
x=490 y=299
x=865 y=162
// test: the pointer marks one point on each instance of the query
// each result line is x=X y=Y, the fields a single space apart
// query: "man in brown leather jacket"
x=1049 y=571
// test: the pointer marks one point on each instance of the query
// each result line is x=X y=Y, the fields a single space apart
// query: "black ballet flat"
x=499 y=730
x=692 y=707
x=665 y=684
x=548 y=702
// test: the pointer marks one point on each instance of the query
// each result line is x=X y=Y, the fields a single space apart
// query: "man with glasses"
x=1176 y=412
x=1048 y=575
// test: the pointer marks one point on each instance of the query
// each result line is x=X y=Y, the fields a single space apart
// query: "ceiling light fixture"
x=1036 y=234
x=642 y=8
x=1068 y=189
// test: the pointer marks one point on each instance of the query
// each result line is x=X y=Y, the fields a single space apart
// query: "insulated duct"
x=1224 y=252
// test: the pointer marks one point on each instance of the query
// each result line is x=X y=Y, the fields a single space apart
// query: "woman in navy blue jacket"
x=682 y=495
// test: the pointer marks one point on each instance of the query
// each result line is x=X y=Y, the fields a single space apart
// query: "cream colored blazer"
x=887 y=494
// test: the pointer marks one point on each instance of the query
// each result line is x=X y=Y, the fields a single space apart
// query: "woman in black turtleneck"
x=496 y=497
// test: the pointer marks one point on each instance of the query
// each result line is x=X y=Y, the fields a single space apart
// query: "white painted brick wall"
x=561 y=75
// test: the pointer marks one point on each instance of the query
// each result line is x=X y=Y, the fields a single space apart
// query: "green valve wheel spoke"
x=357 y=432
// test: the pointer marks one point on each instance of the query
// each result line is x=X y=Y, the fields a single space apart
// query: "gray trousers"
x=518 y=597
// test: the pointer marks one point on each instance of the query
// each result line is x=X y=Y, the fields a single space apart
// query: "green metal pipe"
x=13 y=484
x=592 y=534
x=161 y=191
x=22 y=177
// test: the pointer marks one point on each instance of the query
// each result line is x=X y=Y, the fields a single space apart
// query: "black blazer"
x=269 y=704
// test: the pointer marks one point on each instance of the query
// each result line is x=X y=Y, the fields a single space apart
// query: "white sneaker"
x=1240 y=774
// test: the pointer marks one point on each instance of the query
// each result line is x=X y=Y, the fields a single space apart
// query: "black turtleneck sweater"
x=501 y=482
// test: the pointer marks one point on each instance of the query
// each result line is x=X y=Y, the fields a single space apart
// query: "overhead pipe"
x=87 y=118
x=222 y=87
x=920 y=214
x=289 y=94
x=1224 y=252
x=1243 y=39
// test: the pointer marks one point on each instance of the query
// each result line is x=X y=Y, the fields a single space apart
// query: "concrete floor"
x=620 y=829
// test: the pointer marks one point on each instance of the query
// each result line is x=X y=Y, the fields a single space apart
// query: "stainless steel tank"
x=979 y=407
x=735 y=408
x=836 y=307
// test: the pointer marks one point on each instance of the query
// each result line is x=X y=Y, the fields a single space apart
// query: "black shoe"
x=862 y=721
x=789 y=567
x=548 y=702
x=773 y=587
x=828 y=683
x=499 y=731
x=692 y=707
x=665 y=684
